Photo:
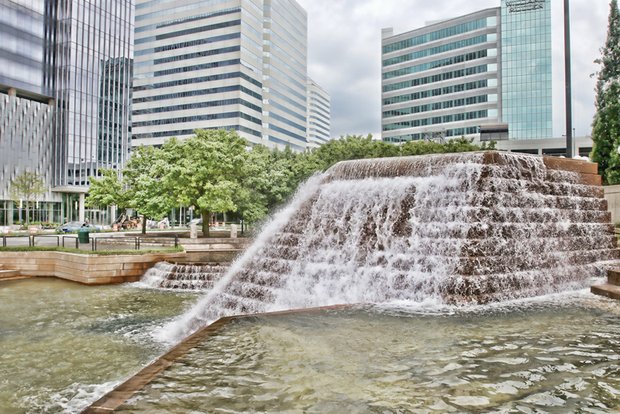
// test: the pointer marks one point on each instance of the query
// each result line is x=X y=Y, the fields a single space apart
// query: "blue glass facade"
x=526 y=68
x=487 y=68
x=26 y=30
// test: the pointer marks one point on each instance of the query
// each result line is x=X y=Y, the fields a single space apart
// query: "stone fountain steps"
x=611 y=289
x=9 y=274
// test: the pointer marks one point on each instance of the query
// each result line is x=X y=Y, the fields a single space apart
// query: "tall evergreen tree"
x=604 y=131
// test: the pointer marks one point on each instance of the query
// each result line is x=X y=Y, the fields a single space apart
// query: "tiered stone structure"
x=474 y=227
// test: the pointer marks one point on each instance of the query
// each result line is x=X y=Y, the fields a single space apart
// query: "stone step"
x=6 y=274
x=607 y=290
x=613 y=277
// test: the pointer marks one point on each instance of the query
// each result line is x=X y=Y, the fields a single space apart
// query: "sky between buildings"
x=344 y=43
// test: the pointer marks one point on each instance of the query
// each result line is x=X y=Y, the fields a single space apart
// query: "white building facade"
x=232 y=64
x=319 y=115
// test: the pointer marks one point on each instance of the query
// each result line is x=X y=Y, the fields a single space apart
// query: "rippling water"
x=62 y=345
x=558 y=354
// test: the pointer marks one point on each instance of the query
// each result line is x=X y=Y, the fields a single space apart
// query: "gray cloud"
x=345 y=40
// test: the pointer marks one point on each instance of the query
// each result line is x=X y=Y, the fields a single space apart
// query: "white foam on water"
x=404 y=231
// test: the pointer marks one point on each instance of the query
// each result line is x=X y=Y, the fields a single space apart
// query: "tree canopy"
x=26 y=187
x=605 y=134
x=216 y=171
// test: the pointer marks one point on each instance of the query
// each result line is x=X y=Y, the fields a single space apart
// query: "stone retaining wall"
x=88 y=269
x=612 y=195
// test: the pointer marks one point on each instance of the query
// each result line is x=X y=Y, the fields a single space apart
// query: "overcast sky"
x=344 y=53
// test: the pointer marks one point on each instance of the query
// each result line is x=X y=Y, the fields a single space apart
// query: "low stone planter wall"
x=88 y=269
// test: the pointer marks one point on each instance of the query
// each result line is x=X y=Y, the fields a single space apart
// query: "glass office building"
x=526 y=68
x=487 y=70
x=442 y=80
x=65 y=80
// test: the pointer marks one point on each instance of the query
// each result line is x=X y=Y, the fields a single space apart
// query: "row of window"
x=196 y=105
x=181 y=132
x=439 y=77
x=191 y=30
x=461 y=87
x=202 y=66
x=190 y=43
x=287 y=121
x=287 y=110
x=211 y=78
x=178 y=9
x=189 y=19
x=288 y=133
x=454 y=103
x=204 y=117
x=286 y=143
x=440 y=49
x=202 y=53
x=455 y=132
x=199 y=92
x=438 y=120
x=440 y=34
x=437 y=64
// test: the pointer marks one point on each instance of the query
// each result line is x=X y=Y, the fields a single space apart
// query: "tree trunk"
x=206 y=219
x=27 y=215
x=143 y=224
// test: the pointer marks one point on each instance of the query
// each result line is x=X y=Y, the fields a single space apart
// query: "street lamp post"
x=567 y=82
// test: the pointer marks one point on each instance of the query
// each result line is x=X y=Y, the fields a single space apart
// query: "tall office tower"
x=285 y=63
x=486 y=71
x=26 y=104
x=92 y=88
x=233 y=64
x=72 y=61
x=319 y=119
x=526 y=68
x=441 y=80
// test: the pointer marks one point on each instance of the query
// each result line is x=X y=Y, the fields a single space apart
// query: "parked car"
x=74 y=226
x=196 y=221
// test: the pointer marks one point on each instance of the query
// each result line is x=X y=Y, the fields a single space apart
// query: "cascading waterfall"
x=458 y=228
x=183 y=276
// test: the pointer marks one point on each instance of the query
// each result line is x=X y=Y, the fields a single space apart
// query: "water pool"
x=64 y=344
x=559 y=354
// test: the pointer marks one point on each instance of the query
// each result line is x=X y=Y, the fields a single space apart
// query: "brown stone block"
x=565 y=164
x=613 y=276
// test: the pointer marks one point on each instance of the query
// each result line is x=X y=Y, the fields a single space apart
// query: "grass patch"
x=99 y=252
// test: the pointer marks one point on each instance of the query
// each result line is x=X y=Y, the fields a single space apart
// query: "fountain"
x=195 y=276
x=403 y=236
x=450 y=228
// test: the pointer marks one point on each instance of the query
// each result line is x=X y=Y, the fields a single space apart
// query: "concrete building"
x=65 y=86
x=319 y=119
x=234 y=64
x=490 y=69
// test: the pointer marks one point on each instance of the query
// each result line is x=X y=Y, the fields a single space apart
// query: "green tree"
x=107 y=190
x=143 y=180
x=207 y=172
x=26 y=188
x=605 y=142
x=607 y=130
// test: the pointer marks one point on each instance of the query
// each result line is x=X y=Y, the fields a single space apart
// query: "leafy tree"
x=453 y=145
x=26 y=187
x=143 y=179
x=107 y=190
x=350 y=147
x=207 y=172
x=607 y=130
x=603 y=135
